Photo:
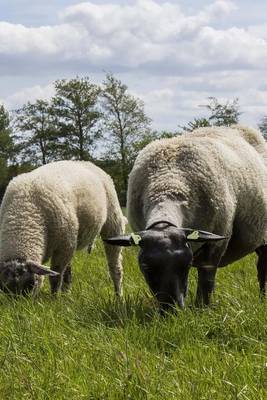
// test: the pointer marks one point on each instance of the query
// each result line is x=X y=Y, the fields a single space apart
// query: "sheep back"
x=216 y=175
x=60 y=204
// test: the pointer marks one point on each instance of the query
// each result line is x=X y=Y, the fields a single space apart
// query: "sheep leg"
x=113 y=226
x=113 y=254
x=56 y=281
x=205 y=286
x=61 y=264
x=262 y=268
x=114 y=259
x=67 y=279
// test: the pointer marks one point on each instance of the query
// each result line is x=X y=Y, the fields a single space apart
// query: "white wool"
x=58 y=208
x=214 y=179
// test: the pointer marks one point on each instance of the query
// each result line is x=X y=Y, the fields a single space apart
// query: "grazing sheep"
x=213 y=179
x=49 y=213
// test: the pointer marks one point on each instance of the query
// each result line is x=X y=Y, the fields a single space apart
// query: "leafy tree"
x=220 y=115
x=7 y=149
x=167 y=134
x=113 y=167
x=36 y=132
x=6 y=140
x=263 y=126
x=196 y=123
x=223 y=114
x=126 y=125
x=77 y=117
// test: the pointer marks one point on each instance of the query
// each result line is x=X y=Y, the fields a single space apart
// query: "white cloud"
x=233 y=47
x=171 y=58
x=128 y=35
x=221 y=8
x=30 y=94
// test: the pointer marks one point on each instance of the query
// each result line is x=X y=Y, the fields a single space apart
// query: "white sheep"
x=213 y=179
x=49 y=213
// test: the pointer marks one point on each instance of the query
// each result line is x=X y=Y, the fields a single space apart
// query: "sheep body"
x=213 y=179
x=56 y=209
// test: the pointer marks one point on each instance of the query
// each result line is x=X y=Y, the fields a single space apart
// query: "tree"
x=125 y=123
x=220 y=115
x=196 y=123
x=7 y=149
x=263 y=126
x=223 y=114
x=6 y=140
x=77 y=116
x=36 y=132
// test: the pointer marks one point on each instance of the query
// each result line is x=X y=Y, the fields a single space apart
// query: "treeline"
x=84 y=121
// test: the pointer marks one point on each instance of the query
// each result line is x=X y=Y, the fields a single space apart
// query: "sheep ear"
x=39 y=269
x=126 y=240
x=201 y=236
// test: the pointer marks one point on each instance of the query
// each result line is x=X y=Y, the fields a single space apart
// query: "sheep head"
x=164 y=258
x=21 y=277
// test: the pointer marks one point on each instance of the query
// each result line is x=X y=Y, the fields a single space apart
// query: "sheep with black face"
x=49 y=213
x=198 y=199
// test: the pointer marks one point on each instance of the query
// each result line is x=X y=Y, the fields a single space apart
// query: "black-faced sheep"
x=213 y=179
x=49 y=213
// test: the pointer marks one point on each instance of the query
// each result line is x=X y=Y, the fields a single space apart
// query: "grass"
x=87 y=345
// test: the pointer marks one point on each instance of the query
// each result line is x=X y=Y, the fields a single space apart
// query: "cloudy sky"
x=172 y=54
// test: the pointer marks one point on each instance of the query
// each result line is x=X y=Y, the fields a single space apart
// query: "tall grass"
x=87 y=345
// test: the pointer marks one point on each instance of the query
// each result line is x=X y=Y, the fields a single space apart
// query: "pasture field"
x=87 y=345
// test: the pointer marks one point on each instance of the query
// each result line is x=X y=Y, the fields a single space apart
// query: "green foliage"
x=126 y=125
x=86 y=345
x=77 y=117
x=36 y=136
x=72 y=123
x=196 y=123
x=223 y=114
x=7 y=148
x=263 y=127
x=6 y=142
x=113 y=168
x=220 y=115
x=83 y=121
x=167 y=134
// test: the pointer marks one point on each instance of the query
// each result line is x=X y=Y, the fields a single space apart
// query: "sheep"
x=198 y=199
x=49 y=213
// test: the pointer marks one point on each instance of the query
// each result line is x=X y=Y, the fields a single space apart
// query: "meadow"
x=87 y=345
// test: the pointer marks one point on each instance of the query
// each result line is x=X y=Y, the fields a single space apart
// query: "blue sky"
x=172 y=54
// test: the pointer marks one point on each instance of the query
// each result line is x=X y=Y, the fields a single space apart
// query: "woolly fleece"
x=214 y=179
x=58 y=208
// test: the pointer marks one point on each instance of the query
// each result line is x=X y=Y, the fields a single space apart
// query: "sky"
x=171 y=54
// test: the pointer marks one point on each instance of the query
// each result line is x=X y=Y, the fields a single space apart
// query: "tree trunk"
x=42 y=147
x=81 y=138
x=123 y=158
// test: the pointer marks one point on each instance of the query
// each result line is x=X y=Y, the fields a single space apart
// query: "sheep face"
x=21 y=277
x=164 y=260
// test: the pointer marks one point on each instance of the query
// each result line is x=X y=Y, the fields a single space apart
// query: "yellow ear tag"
x=136 y=238
x=193 y=236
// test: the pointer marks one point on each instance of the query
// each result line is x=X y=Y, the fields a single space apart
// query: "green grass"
x=87 y=345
